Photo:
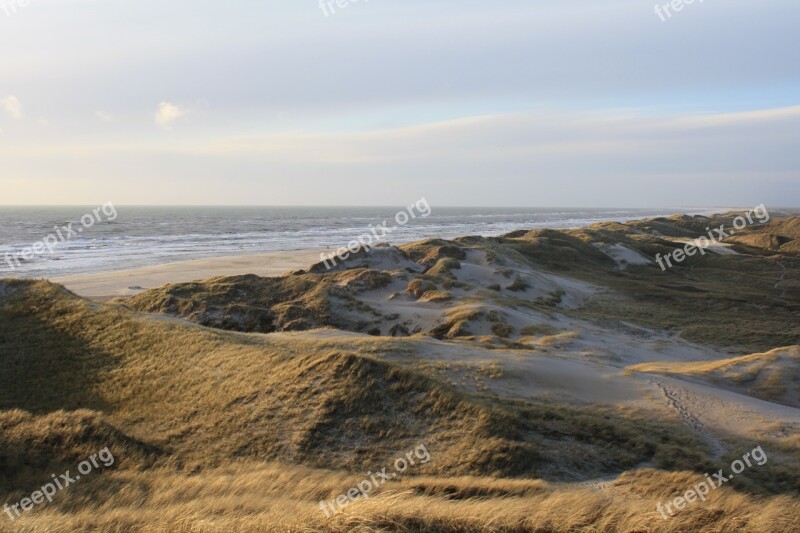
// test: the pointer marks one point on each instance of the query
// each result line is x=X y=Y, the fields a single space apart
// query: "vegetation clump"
x=417 y=287
x=519 y=285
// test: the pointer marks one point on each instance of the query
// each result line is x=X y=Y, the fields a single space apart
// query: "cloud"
x=12 y=106
x=168 y=113
x=545 y=157
x=102 y=115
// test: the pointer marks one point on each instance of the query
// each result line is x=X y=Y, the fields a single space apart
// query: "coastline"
x=104 y=286
x=142 y=237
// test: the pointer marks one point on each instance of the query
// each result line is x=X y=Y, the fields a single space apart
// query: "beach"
x=140 y=237
x=104 y=286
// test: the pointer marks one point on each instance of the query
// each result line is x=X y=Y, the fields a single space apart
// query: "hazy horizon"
x=351 y=206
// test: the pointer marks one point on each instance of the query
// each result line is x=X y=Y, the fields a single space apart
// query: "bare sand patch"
x=717 y=247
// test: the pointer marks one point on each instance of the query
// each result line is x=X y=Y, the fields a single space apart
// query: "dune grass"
x=284 y=498
x=224 y=431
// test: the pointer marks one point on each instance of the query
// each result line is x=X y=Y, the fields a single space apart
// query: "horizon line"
x=399 y=205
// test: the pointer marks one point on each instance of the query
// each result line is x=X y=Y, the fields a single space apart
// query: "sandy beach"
x=107 y=285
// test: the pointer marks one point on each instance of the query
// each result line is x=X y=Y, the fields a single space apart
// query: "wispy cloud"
x=168 y=113
x=12 y=106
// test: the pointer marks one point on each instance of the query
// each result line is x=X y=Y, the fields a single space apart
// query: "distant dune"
x=478 y=287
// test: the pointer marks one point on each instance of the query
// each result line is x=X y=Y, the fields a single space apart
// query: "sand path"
x=713 y=412
x=678 y=399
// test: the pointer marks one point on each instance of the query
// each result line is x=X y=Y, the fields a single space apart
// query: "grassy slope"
x=206 y=397
x=251 y=303
x=190 y=413
x=734 y=301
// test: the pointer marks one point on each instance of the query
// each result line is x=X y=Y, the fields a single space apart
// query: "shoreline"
x=107 y=285
x=102 y=286
x=129 y=244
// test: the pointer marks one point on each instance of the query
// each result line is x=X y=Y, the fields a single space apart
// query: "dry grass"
x=207 y=397
x=190 y=414
x=279 y=497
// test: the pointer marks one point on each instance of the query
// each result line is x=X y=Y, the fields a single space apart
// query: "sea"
x=125 y=237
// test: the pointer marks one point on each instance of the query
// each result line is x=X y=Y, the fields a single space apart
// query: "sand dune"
x=556 y=383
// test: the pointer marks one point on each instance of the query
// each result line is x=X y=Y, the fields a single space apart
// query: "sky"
x=552 y=103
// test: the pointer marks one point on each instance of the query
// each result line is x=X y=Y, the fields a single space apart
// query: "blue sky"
x=504 y=103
